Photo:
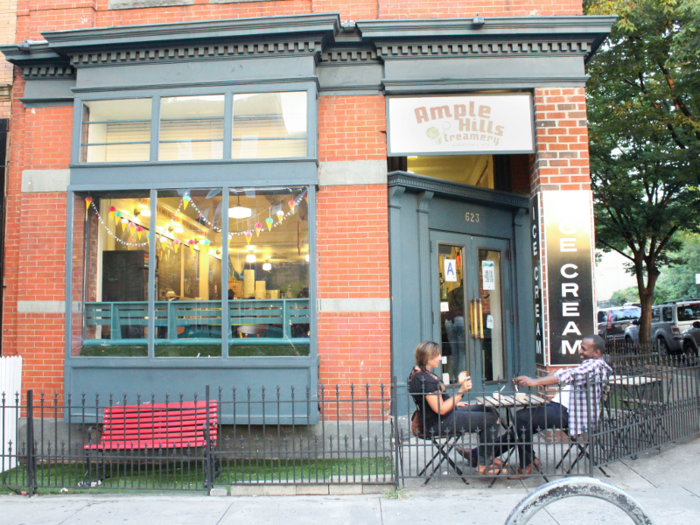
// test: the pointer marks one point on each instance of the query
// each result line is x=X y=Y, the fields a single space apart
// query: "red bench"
x=160 y=426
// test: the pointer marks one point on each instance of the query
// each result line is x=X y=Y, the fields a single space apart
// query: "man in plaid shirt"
x=569 y=408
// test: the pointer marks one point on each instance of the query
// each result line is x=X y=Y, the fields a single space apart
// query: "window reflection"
x=116 y=130
x=191 y=128
x=269 y=125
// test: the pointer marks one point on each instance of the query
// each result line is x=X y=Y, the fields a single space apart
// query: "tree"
x=644 y=128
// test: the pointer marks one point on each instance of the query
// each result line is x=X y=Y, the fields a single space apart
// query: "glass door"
x=472 y=307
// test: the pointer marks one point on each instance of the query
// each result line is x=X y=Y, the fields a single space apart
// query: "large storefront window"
x=268 y=271
x=110 y=273
x=260 y=309
x=188 y=273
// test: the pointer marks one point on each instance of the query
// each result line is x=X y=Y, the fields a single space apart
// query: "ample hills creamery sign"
x=460 y=124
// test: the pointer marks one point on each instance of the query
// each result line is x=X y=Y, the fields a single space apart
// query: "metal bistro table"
x=643 y=396
x=510 y=403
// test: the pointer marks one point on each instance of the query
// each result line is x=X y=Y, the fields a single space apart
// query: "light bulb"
x=250 y=258
x=307 y=257
x=267 y=266
x=239 y=212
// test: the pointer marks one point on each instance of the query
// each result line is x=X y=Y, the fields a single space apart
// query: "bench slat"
x=164 y=416
x=167 y=434
x=147 y=444
x=148 y=425
x=168 y=406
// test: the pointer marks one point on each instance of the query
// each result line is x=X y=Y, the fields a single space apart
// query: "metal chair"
x=444 y=444
x=583 y=442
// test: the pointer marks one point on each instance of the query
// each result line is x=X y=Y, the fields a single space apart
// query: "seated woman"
x=443 y=415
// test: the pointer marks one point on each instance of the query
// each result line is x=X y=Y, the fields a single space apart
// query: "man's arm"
x=549 y=379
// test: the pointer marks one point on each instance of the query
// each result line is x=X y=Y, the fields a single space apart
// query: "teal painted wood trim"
x=414 y=183
x=233 y=341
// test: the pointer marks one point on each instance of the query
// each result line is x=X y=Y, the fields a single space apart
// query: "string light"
x=186 y=199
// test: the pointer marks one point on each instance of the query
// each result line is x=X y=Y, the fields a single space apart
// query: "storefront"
x=289 y=202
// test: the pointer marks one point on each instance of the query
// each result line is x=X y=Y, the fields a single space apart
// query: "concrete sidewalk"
x=667 y=485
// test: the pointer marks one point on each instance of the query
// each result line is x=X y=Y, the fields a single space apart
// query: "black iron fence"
x=343 y=435
x=226 y=437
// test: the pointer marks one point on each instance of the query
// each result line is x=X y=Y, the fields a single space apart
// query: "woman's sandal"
x=527 y=471
x=491 y=470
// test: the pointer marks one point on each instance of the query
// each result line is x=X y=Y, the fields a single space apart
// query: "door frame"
x=471 y=244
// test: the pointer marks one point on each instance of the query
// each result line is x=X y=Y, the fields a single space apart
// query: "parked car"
x=612 y=322
x=691 y=341
x=669 y=323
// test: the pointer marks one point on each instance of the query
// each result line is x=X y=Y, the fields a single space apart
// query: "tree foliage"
x=644 y=127
x=626 y=295
x=677 y=281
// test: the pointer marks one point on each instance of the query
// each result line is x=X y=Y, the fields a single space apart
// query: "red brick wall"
x=353 y=240
x=35 y=243
x=561 y=155
x=352 y=128
x=38 y=15
x=353 y=263
x=469 y=8
x=353 y=246
x=355 y=349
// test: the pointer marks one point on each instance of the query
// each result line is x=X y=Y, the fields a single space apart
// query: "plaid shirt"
x=596 y=371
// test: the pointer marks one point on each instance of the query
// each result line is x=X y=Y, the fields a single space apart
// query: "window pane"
x=191 y=128
x=268 y=286
x=269 y=125
x=116 y=130
x=110 y=273
x=474 y=170
x=491 y=308
x=188 y=273
x=667 y=314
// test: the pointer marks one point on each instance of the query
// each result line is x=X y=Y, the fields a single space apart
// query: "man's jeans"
x=531 y=420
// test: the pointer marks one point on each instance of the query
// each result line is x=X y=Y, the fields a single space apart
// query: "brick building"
x=296 y=192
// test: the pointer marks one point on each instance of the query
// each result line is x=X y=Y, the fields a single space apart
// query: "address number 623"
x=471 y=217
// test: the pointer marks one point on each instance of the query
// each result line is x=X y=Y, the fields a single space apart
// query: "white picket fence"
x=10 y=384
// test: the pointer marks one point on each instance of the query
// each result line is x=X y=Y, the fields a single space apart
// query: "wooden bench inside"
x=158 y=426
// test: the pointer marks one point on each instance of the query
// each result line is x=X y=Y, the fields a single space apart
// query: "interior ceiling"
x=287 y=241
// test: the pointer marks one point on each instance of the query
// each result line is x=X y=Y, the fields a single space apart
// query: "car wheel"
x=662 y=345
x=690 y=353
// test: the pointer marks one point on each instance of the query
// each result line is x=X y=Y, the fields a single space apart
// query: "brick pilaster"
x=561 y=154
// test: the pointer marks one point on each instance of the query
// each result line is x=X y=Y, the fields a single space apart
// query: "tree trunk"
x=646 y=295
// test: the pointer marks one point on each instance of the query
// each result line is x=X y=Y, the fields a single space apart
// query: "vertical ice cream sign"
x=460 y=124
x=568 y=239
x=537 y=291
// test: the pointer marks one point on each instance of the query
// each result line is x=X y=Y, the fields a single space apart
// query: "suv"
x=612 y=322
x=671 y=325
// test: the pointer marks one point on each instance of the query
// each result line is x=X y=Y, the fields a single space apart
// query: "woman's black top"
x=419 y=385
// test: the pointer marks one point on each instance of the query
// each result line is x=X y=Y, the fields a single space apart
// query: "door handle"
x=472 y=320
x=481 y=320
